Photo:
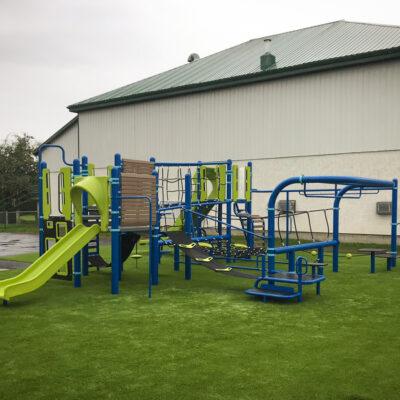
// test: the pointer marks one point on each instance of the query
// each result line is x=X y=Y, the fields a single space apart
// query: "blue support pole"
x=393 y=242
x=287 y=219
x=291 y=261
x=199 y=188
x=335 y=236
x=85 y=197
x=188 y=222
x=320 y=255
x=155 y=232
x=42 y=166
x=115 y=231
x=263 y=266
x=220 y=216
x=228 y=209
x=76 y=168
x=271 y=237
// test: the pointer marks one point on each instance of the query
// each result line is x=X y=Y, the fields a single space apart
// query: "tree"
x=18 y=173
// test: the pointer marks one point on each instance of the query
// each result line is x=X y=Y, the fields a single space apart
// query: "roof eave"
x=58 y=133
x=341 y=62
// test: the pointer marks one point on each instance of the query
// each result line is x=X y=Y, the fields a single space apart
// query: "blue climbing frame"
x=187 y=206
x=342 y=185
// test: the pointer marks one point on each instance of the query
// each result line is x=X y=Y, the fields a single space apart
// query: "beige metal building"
x=322 y=100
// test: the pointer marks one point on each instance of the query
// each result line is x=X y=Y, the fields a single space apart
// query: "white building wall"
x=340 y=111
x=357 y=216
x=336 y=122
x=69 y=140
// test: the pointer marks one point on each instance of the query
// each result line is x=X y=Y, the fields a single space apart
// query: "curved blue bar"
x=350 y=182
x=55 y=146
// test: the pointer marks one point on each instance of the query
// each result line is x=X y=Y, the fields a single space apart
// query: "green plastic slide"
x=49 y=263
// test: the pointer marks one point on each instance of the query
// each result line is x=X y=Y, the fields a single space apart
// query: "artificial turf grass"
x=203 y=339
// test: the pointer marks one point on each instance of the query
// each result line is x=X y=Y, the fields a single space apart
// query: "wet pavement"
x=12 y=244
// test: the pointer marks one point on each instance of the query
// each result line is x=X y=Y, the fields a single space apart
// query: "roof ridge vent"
x=267 y=60
x=193 y=57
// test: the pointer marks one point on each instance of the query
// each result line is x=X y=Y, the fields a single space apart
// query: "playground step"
x=291 y=277
x=272 y=294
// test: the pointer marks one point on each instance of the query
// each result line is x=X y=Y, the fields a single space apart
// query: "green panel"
x=91 y=172
x=203 y=183
x=248 y=183
x=194 y=187
x=97 y=187
x=37 y=274
x=46 y=194
x=222 y=182
x=65 y=191
x=109 y=171
x=235 y=182
x=91 y=169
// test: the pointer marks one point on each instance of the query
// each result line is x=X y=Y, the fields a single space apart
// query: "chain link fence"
x=28 y=218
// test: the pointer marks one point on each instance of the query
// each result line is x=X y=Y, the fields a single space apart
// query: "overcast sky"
x=56 y=52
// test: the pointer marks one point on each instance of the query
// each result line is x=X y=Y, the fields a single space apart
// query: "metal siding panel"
x=342 y=111
x=356 y=216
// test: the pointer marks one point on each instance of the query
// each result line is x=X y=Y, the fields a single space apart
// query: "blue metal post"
x=188 y=222
x=287 y=219
x=320 y=255
x=199 y=188
x=228 y=209
x=393 y=242
x=155 y=233
x=291 y=261
x=263 y=266
x=115 y=231
x=85 y=197
x=271 y=237
x=154 y=247
x=335 y=237
x=76 y=168
x=42 y=166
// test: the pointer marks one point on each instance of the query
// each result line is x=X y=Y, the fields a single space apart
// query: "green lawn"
x=203 y=339
x=19 y=228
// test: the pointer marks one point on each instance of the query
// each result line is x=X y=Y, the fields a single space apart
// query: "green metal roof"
x=331 y=45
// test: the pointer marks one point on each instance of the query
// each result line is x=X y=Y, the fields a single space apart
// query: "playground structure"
x=193 y=208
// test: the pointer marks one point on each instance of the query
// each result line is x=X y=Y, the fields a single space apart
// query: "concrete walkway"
x=6 y=265
x=12 y=244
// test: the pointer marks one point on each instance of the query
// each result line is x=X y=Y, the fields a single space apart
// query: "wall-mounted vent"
x=282 y=206
x=384 y=208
